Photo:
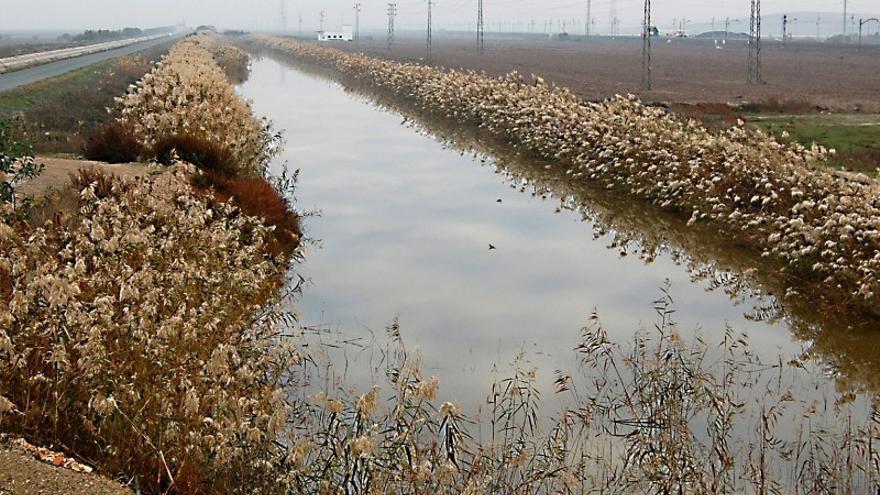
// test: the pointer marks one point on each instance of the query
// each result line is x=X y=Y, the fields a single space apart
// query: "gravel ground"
x=21 y=474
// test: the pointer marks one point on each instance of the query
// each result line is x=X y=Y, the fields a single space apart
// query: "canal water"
x=477 y=268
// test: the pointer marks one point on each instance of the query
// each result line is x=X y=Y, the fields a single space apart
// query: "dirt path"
x=21 y=474
x=58 y=171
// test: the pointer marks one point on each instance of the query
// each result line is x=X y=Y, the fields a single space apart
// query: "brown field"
x=805 y=74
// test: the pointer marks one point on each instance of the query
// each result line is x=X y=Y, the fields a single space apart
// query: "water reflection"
x=407 y=219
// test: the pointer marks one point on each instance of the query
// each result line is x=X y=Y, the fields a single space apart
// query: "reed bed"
x=188 y=93
x=132 y=334
x=824 y=229
x=658 y=416
x=139 y=324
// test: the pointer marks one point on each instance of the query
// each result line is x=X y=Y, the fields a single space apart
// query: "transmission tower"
x=430 y=5
x=755 y=69
x=612 y=13
x=647 y=79
x=357 y=22
x=588 y=31
x=480 y=32
x=392 y=12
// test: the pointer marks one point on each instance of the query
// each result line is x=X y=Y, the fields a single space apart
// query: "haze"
x=65 y=15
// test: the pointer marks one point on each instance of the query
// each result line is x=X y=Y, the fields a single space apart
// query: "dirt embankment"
x=840 y=77
x=21 y=474
x=58 y=171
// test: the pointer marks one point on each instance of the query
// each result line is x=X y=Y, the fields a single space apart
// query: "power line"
x=647 y=79
x=392 y=12
x=755 y=68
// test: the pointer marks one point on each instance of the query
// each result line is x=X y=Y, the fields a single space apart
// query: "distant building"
x=344 y=35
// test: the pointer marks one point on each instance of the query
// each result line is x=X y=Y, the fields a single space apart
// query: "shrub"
x=16 y=165
x=256 y=197
x=102 y=183
x=205 y=155
x=113 y=142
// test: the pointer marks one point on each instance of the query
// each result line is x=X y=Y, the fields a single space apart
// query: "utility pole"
x=844 y=19
x=480 y=32
x=784 y=29
x=589 y=30
x=818 y=27
x=357 y=22
x=861 y=26
x=647 y=79
x=283 y=17
x=392 y=12
x=322 y=21
x=300 y=26
x=430 y=4
x=726 y=29
x=755 y=68
x=785 y=22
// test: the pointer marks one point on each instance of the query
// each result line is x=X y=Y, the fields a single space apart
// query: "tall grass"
x=188 y=94
x=137 y=336
x=659 y=416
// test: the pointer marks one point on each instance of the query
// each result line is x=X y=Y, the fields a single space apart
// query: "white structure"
x=344 y=35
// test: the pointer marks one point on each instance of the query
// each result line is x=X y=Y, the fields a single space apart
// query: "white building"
x=344 y=35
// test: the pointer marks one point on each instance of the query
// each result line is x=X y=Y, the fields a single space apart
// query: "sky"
x=73 y=15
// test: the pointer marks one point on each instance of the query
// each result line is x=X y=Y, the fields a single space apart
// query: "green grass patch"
x=58 y=115
x=26 y=97
x=856 y=137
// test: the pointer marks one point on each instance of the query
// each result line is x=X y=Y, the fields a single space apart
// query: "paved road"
x=23 y=77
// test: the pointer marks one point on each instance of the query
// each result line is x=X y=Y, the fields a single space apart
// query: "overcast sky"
x=265 y=14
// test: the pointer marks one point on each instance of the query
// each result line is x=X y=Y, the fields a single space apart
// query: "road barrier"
x=19 y=62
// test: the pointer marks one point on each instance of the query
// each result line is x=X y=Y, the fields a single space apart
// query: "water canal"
x=483 y=258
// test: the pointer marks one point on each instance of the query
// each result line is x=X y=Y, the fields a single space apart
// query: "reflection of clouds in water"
x=405 y=229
